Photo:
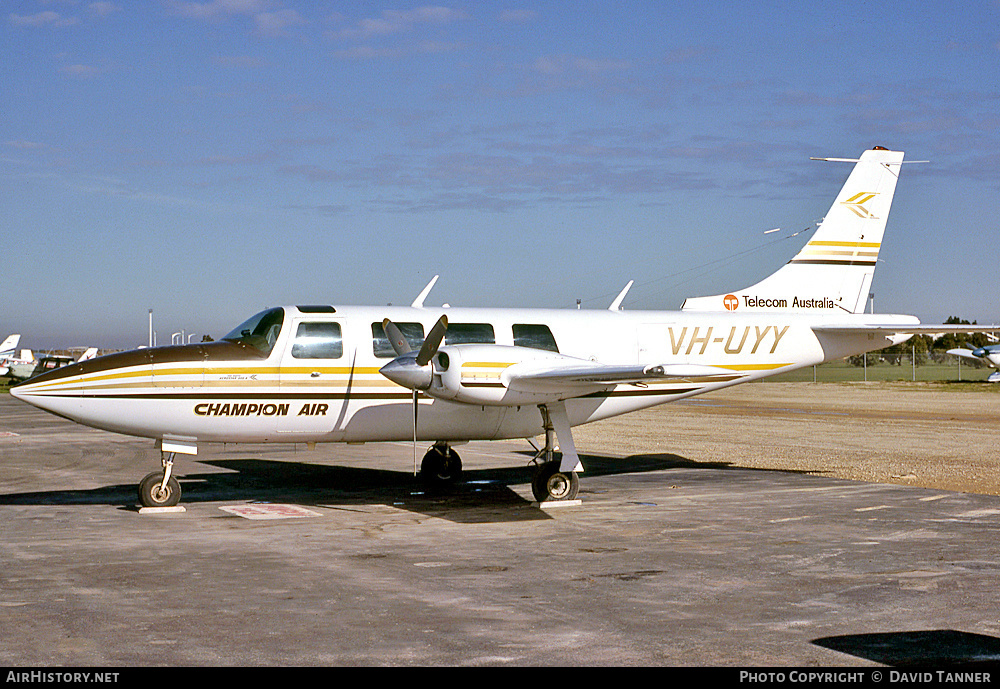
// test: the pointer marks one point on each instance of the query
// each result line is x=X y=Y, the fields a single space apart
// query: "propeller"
x=412 y=369
x=432 y=342
x=409 y=369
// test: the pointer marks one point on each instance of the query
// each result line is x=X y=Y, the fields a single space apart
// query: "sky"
x=207 y=160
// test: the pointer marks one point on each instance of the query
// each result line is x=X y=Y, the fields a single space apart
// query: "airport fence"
x=936 y=366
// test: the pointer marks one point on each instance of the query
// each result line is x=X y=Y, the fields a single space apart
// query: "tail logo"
x=857 y=204
x=731 y=301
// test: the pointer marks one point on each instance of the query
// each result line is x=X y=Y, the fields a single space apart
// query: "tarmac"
x=286 y=556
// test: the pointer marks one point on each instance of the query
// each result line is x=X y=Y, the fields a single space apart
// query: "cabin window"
x=469 y=333
x=318 y=341
x=535 y=336
x=260 y=331
x=412 y=332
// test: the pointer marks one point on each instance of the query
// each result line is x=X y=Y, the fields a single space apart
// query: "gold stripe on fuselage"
x=364 y=378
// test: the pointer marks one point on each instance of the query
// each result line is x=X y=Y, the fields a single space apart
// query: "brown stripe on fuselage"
x=197 y=354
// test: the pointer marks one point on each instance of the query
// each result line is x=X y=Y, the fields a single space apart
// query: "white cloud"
x=568 y=64
x=268 y=20
x=80 y=71
x=103 y=9
x=216 y=8
x=518 y=16
x=391 y=22
x=367 y=52
x=275 y=23
x=47 y=18
x=23 y=145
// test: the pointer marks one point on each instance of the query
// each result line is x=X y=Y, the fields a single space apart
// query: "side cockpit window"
x=259 y=332
x=319 y=340
x=535 y=337
x=413 y=332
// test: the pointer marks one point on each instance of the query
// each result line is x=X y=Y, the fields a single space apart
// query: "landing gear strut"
x=551 y=482
x=160 y=489
x=441 y=466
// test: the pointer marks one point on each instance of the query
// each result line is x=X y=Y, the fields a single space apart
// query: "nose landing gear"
x=160 y=489
x=441 y=466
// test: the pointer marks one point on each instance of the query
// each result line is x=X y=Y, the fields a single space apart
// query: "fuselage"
x=311 y=374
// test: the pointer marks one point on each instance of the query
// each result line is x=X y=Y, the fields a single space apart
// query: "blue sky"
x=210 y=159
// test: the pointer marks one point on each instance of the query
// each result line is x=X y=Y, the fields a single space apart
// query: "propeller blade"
x=432 y=342
x=396 y=339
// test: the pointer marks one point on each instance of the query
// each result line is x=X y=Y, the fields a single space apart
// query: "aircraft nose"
x=18 y=393
x=29 y=391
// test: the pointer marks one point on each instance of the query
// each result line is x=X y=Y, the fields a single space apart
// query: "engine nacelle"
x=481 y=374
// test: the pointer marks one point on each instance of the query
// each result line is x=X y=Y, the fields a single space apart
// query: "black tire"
x=441 y=466
x=151 y=496
x=550 y=484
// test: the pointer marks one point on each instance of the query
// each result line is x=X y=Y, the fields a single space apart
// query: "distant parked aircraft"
x=22 y=369
x=989 y=355
x=7 y=352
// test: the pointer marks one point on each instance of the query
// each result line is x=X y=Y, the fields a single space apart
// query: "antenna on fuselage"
x=418 y=303
x=616 y=305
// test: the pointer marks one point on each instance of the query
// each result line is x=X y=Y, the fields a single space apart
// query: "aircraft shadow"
x=936 y=648
x=482 y=495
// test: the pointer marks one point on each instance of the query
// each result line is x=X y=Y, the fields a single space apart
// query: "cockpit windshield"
x=259 y=332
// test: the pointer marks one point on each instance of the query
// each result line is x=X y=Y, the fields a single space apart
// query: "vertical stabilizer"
x=9 y=345
x=834 y=270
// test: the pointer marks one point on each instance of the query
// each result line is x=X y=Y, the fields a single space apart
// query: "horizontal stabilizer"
x=901 y=329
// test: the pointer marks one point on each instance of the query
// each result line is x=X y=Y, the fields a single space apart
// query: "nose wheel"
x=160 y=489
x=441 y=466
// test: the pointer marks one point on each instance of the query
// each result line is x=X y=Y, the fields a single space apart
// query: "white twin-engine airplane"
x=309 y=374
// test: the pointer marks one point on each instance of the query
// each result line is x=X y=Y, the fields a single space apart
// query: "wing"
x=570 y=376
x=967 y=353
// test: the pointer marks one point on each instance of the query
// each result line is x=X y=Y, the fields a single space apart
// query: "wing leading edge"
x=576 y=378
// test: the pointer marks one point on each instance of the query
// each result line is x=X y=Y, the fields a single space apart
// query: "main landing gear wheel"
x=152 y=493
x=551 y=484
x=441 y=466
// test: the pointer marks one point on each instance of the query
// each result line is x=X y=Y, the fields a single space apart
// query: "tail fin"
x=8 y=346
x=834 y=270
